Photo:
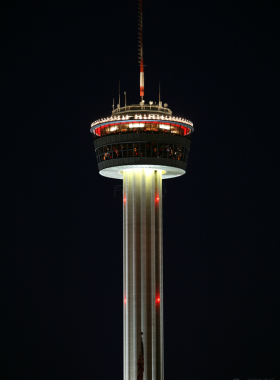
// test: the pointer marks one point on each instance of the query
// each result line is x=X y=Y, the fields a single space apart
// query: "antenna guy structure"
x=142 y=145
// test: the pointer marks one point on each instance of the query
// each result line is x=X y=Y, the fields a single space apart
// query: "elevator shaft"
x=142 y=272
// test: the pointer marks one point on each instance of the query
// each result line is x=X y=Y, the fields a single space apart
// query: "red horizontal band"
x=185 y=129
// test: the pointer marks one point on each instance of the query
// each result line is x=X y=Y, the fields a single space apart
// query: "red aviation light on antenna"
x=157 y=300
x=125 y=300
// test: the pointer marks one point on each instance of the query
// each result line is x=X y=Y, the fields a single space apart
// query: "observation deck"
x=143 y=136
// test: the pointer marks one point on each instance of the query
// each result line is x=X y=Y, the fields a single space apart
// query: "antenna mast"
x=119 y=94
x=140 y=48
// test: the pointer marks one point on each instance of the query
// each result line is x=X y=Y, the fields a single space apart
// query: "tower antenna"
x=119 y=94
x=140 y=49
x=159 y=102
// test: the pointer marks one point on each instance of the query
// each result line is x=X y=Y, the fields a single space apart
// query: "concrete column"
x=142 y=272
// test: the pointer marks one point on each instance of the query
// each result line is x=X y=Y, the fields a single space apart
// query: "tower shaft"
x=143 y=272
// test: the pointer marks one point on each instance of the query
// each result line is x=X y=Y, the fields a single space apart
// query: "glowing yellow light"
x=163 y=126
x=136 y=125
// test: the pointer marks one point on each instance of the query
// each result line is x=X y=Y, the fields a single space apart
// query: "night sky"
x=62 y=286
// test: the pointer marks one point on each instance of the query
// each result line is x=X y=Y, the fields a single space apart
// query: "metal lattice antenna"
x=119 y=94
x=140 y=48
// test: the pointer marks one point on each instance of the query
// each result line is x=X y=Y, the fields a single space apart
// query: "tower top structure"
x=142 y=135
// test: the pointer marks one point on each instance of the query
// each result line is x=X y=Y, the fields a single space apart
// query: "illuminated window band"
x=142 y=150
x=141 y=126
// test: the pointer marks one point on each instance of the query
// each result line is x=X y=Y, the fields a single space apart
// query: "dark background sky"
x=218 y=66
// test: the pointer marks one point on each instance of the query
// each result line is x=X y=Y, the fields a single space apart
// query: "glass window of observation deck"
x=158 y=150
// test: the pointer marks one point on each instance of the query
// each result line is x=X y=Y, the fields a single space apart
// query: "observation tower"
x=142 y=144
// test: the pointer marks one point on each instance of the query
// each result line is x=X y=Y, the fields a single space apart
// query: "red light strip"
x=97 y=131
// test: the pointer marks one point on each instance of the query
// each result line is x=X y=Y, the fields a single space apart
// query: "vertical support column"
x=158 y=275
x=142 y=272
x=161 y=285
x=125 y=325
x=153 y=342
